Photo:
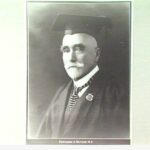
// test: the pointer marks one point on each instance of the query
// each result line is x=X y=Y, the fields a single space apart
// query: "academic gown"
x=101 y=112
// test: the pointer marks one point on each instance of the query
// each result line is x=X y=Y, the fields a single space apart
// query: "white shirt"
x=85 y=79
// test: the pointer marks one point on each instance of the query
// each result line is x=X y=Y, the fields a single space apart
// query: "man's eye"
x=65 y=49
x=79 y=48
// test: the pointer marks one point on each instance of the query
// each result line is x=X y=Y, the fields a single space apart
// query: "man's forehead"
x=77 y=38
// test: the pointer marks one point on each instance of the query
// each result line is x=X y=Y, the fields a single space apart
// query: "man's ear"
x=98 y=53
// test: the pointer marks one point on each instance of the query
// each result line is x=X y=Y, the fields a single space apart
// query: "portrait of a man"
x=92 y=100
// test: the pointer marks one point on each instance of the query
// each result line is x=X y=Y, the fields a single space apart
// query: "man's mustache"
x=69 y=65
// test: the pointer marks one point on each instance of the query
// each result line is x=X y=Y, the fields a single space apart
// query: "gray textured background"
x=46 y=72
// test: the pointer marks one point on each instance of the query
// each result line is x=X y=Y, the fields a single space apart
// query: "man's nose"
x=72 y=56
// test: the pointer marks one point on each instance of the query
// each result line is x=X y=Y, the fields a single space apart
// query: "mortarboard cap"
x=70 y=24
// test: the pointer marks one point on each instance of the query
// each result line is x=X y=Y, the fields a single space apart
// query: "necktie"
x=73 y=99
x=74 y=96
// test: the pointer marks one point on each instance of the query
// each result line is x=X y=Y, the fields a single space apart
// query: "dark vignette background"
x=45 y=66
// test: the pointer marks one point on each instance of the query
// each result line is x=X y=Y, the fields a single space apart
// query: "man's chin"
x=75 y=74
x=74 y=77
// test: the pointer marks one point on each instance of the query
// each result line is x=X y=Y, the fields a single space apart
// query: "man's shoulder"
x=105 y=79
x=63 y=87
x=62 y=90
x=110 y=85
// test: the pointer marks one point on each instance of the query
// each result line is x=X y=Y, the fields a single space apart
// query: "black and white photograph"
x=78 y=82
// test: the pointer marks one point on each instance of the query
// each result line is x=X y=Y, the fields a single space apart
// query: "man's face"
x=79 y=53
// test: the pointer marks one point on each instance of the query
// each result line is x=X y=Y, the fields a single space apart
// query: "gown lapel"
x=58 y=112
x=79 y=113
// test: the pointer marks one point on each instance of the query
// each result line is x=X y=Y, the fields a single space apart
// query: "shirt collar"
x=87 y=77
